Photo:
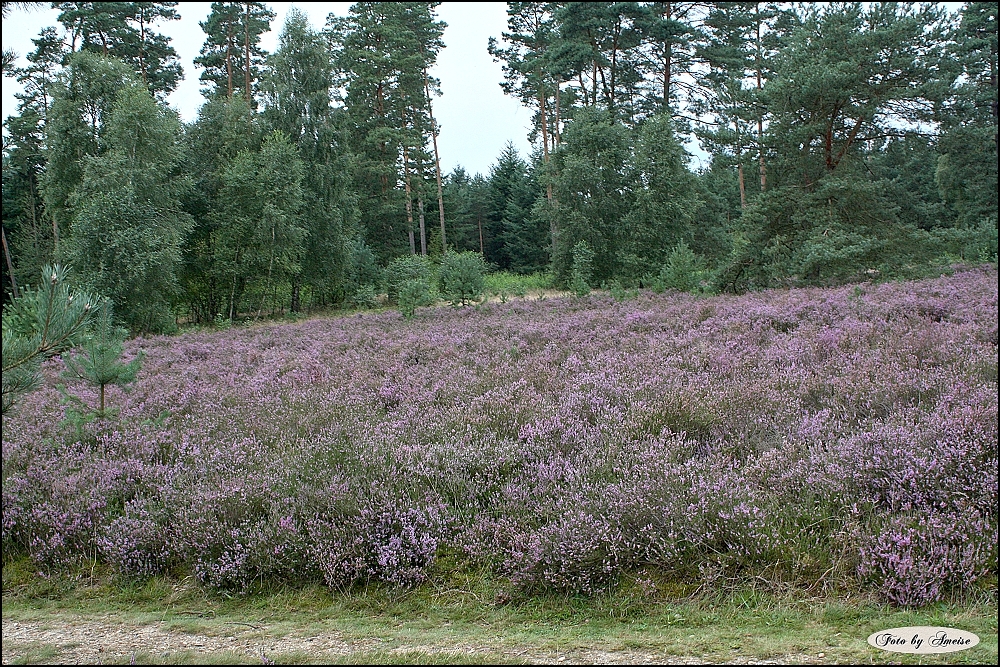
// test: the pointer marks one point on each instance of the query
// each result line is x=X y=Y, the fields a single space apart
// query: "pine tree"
x=101 y=364
x=967 y=170
x=231 y=56
x=125 y=31
x=41 y=323
x=383 y=51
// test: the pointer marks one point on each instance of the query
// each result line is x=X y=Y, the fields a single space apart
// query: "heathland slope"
x=841 y=438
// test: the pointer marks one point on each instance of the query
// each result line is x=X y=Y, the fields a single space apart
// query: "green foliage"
x=414 y=293
x=128 y=230
x=683 y=270
x=100 y=364
x=462 y=276
x=594 y=189
x=582 y=269
x=503 y=282
x=514 y=238
x=967 y=167
x=364 y=277
x=620 y=292
x=259 y=233
x=83 y=96
x=844 y=138
x=224 y=129
x=404 y=269
x=296 y=93
x=42 y=323
x=666 y=198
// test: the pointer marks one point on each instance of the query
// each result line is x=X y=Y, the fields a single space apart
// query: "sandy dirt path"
x=95 y=640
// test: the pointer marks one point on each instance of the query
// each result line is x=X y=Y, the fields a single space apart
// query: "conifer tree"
x=125 y=30
x=43 y=322
x=101 y=364
x=231 y=56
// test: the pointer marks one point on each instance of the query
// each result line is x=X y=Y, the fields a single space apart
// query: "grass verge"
x=462 y=619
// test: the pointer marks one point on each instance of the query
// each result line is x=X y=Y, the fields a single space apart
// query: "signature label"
x=923 y=639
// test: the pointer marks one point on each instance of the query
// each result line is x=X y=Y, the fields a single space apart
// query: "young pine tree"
x=39 y=324
x=101 y=364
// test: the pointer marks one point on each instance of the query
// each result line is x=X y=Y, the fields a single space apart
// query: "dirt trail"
x=79 y=640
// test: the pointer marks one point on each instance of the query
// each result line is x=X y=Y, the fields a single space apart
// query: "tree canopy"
x=835 y=142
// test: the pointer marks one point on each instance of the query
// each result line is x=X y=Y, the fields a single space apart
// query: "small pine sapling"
x=40 y=324
x=462 y=275
x=101 y=364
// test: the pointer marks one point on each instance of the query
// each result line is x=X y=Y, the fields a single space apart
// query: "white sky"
x=476 y=118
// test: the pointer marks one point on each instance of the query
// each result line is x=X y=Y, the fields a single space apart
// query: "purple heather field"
x=838 y=436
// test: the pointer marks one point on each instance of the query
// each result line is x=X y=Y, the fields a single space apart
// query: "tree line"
x=842 y=140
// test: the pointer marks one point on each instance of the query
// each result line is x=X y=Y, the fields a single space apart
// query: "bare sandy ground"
x=96 y=640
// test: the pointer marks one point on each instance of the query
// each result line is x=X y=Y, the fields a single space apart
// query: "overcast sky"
x=476 y=118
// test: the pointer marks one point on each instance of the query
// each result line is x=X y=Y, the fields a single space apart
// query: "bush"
x=412 y=295
x=462 y=276
x=503 y=282
x=363 y=297
x=683 y=270
x=583 y=267
x=403 y=269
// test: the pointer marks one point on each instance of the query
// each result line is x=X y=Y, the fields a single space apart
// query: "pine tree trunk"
x=437 y=163
x=482 y=248
x=760 y=115
x=229 y=60
x=667 y=56
x=142 y=41
x=420 y=207
x=102 y=399
x=423 y=230
x=409 y=201
x=296 y=294
x=556 y=127
x=55 y=237
x=246 y=52
x=545 y=139
x=739 y=167
x=743 y=189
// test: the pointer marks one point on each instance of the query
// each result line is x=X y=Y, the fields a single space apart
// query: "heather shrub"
x=839 y=437
x=574 y=553
x=381 y=539
x=138 y=543
x=915 y=558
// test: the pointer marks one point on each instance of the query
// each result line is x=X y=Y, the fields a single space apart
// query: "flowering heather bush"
x=848 y=433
